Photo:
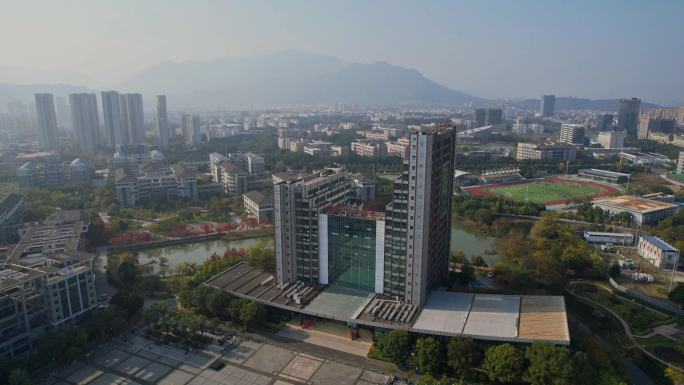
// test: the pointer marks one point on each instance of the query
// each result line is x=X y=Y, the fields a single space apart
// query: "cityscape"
x=256 y=197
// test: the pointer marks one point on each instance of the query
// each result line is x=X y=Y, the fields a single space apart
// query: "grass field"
x=544 y=191
x=677 y=177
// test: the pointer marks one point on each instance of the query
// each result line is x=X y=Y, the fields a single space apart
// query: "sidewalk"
x=330 y=341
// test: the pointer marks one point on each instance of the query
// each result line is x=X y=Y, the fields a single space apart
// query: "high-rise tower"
x=111 y=114
x=548 y=105
x=628 y=116
x=162 y=122
x=47 y=121
x=85 y=120
x=418 y=220
x=132 y=118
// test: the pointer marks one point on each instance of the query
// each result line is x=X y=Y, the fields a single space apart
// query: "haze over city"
x=479 y=192
x=490 y=49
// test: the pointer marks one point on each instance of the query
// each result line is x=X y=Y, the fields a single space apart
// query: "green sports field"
x=545 y=192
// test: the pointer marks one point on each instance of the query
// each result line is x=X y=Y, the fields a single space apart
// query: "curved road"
x=628 y=331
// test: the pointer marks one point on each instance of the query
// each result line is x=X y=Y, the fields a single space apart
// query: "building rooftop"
x=180 y=171
x=258 y=198
x=637 y=204
x=354 y=212
x=659 y=243
x=482 y=316
x=121 y=176
x=9 y=202
x=595 y=171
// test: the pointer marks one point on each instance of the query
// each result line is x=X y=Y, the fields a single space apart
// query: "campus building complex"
x=46 y=281
x=340 y=260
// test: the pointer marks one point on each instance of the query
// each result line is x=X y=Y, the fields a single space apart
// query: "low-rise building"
x=155 y=181
x=131 y=156
x=561 y=152
x=254 y=163
x=603 y=175
x=258 y=205
x=233 y=178
x=648 y=159
x=611 y=139
x=371 y=149
x=658 y=252
x=11 y=217
x=46 y=282
x=52 y=172
x=644 y=211
x=572 y=133
x=680 y=163
x=398 y=148
x=603 y=237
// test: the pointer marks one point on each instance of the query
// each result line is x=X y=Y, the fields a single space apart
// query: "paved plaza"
x=140 y=361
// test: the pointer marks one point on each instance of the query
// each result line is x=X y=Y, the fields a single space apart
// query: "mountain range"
x=289 y=78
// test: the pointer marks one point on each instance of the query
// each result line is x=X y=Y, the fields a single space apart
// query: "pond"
x=473 y=244
x=461 y=239
x=196 y=252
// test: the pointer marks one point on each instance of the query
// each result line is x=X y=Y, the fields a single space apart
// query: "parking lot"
x=140 y=361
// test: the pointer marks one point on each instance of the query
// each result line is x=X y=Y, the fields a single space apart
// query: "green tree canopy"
x=429 y=355
x=503 y=363
x=395 y=345
x=463 y=355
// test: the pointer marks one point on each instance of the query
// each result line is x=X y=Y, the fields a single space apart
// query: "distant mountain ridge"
x=290 y=78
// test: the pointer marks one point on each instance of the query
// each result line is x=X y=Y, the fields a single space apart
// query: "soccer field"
x=545 y=191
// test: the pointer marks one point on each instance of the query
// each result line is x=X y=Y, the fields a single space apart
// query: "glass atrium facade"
x=352 y=252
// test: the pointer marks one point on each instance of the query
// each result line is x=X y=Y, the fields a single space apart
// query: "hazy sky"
x=507 y=48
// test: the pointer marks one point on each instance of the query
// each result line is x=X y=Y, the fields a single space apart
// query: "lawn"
x=677 y=177
x=641 y=319
x=545 y=191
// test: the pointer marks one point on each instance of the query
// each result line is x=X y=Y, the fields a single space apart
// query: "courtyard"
x=140 y=361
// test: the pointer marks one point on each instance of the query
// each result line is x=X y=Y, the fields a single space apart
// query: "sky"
x=489 y=48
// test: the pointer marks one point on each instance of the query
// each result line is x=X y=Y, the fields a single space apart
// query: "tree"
x=462 y=355
x=675 y=375
x=677 y=294
x=467 y=274
x=127 y=272
x=252 y=313
x=549 y=364
x=129 y=302
x=606 y=378
x=503 y=363
x=395 y=345
x=19 y=376
x=429 y=355
x=614 y=271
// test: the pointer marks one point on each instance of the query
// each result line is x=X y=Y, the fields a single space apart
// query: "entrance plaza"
x=514 y=318
x=140 y=361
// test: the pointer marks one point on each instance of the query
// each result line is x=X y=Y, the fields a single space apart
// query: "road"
x=100 y=267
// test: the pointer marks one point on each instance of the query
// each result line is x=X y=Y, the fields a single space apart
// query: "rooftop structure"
x=561 y=151
x=11 y=217
x=603 y=175
x=511 y=318
x=644 y=211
